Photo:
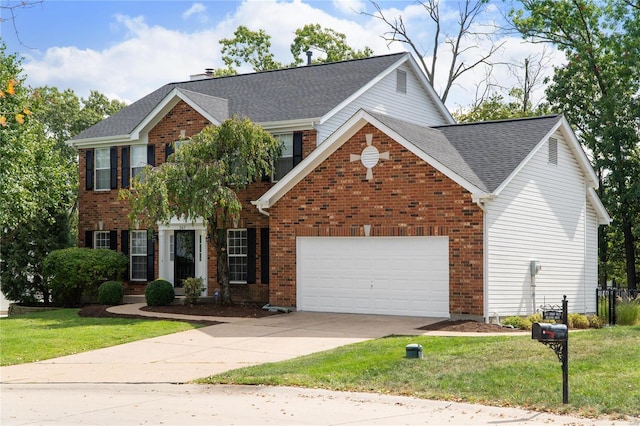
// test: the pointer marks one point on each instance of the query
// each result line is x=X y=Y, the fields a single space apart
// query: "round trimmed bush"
x=110 y=293
x=159 y=293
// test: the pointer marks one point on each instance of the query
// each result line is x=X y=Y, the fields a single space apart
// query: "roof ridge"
x=290 y=68
x=504 y=120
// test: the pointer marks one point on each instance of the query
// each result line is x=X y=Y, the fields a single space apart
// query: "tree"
x=461 y=42
x=330 y=42
x=599 y=92
x=496 y=108
x=253 y=48
x=202 y=180
x=38 y=175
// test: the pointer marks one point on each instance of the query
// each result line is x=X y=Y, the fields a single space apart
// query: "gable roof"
x=481 y=157
x=307 y=92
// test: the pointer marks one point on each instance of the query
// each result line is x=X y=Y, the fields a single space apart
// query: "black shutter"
x=89 y=169
x=124 y=246
x=264 y=255
x=150 y=260
x=125 y=167
x=113 y=240
x=113 y=158
x=88 y=239
x=168 y=150
x=151 y=155
x=297 y=148
x=251 y=255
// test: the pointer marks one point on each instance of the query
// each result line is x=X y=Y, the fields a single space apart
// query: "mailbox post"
x=556 y=336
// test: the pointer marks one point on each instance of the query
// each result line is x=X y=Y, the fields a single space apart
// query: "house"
x=380 y=203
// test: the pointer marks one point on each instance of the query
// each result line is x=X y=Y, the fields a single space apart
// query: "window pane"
x=237 y=254
x=103 y=159
x=103 y=179
x=287 y=140
x=138 y=267
x=139 y=243
x=138 y=156
x=101 y=240
x=237 y=268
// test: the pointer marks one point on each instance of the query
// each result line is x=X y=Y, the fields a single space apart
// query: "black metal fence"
x=607 y=298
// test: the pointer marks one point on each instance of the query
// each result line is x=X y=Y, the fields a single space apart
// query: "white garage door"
x=374 y=275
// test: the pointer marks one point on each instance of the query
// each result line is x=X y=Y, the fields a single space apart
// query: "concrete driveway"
x=185 y=356
x=140 y=383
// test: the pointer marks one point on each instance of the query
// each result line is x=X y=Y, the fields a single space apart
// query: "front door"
x=185 y=256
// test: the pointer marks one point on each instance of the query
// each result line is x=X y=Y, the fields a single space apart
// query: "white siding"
x=540 y=215
x=414 y=106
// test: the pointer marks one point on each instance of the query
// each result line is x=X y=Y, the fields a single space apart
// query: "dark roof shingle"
x=486 y=153
x=287 y=94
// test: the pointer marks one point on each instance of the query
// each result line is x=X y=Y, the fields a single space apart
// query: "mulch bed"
x=468 y=326
x=205 y=309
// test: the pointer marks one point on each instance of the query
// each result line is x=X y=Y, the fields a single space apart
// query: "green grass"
x=45 y=335
x=604 y=371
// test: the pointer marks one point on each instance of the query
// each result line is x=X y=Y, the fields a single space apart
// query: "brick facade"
x=104 y=206
x=406 y=197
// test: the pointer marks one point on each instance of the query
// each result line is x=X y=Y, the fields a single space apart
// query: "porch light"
x=100 y=225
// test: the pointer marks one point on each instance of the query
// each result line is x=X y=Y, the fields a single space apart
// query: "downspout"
x=480 y=200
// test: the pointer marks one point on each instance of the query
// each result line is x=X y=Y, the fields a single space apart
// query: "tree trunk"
x=630 y=254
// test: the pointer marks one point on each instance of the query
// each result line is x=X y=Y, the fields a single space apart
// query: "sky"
x=126 y=49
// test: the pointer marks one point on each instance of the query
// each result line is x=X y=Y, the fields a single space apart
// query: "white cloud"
x=196 y=9
x=151 y=56
x=349 y=6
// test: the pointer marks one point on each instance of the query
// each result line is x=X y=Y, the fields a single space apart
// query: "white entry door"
x=374 y=275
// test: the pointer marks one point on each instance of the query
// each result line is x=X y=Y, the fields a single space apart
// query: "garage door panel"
x=377 y=275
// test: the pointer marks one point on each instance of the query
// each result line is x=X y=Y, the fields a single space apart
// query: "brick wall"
x=105 y=206
x=405 y=197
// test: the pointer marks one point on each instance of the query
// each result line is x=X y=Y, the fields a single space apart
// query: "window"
x=401 y=81
x=237 y=255
x=101 y=240
x=138 y=255
x=103 y=169
x=553 y=151
x=285 y=163
x=138 y=160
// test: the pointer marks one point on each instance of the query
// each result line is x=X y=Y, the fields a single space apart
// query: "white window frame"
x=138 y=164
x=137 y=251
x=101 y=240
x=236 y=253
x=287 y=154
x=101 y=168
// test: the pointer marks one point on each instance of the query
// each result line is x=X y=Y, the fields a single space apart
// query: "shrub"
x=517 y=322
x=73 y=272
x=537 y=317
x=110 y=293
x=628 y=312
x=576 y=320
x=159 y=293
x=193 y=287
x=596 y=322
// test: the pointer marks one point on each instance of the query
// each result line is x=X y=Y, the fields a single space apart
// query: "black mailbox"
x=548 y=332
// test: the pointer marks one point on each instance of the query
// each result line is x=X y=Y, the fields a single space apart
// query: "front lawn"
x=45 y=335
x=604 y=371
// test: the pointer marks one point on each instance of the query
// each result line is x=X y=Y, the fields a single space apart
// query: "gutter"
x=261 y=208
